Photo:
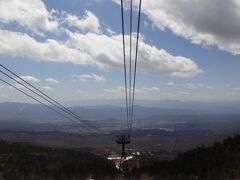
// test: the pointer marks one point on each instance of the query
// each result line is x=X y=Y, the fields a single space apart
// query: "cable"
x=63 y=109
x=130 y=73
x=124 y=58
x=32 y=91
x=55 y=102
x=130 y=63
x=83 y=122
x=49 y=107
x=46 y=97
x=135 y=66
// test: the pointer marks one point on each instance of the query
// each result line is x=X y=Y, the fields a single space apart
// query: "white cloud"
x=110 y=31
x=195 y=85
x=28 y=13
x=89 y=22
x=170 y=83
x=2 y=87
x=145 y=23
x=236 y=89
x=184 y=93
x=20 y=44
x=4 y=95
x=189 y=85
x=209 y=87
x=105 y=53
x=18 y=86
x=107 y=50
x=47 y=88
x=121 y=89
x=52 y=81
x=146 y=89
x=215 y=22
x=86 y=77
x=31 y=79
x=83 y=93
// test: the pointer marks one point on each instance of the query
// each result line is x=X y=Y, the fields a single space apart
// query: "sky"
x=72 y=49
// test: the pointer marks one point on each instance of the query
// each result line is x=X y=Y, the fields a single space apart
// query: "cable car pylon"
x=123 y=140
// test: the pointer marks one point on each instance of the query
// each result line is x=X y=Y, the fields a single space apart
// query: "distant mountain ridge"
x=206 y=107
x=23 y=116
x=38 y=112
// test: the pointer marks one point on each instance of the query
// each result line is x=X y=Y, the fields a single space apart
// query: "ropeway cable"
x=42 y=94
x=124 y=64
x=49 y=107
x=46 y=97
x=135 y=65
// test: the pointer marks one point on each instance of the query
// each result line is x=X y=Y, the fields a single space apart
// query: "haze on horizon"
x=72 y=50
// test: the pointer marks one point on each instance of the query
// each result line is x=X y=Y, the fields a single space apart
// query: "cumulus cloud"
x=31 y=79
x=52 y=81
x=89 y=22
x=189 y=85
x=184 y=93
x=20 y=44
x=170 y=83
x=215 y=22
x=107 y=50
x=110 y=31
x=146 y=89
x=18 y=86
x=86 y=77
x=121 y=89
x=2 y=87
x=105 y=53
x=28 y=13
x=47 y=88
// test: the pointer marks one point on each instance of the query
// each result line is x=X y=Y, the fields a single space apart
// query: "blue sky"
x=72 y=49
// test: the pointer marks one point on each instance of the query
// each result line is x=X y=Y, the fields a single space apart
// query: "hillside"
x=218 y=162
x=21 y=161
x=34 y=117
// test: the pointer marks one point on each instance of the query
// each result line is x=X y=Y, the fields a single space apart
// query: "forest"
x=218 y=162
x=23 y=161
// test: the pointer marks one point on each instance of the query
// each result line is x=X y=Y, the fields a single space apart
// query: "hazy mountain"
x=215 y=107
x=37 y=117
x=39 y=112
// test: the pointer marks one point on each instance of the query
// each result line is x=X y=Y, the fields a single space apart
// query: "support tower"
x=123 y=140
